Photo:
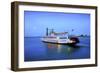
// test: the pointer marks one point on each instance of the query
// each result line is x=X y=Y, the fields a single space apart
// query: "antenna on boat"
x=52 y=30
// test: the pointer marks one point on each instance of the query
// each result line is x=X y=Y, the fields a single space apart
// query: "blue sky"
x=35 y=23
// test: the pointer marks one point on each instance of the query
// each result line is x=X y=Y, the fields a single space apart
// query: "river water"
x=36 y=50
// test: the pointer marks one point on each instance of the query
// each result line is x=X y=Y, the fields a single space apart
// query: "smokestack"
x=46 y=31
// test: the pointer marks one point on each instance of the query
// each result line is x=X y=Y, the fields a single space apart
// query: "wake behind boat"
x=59 y=38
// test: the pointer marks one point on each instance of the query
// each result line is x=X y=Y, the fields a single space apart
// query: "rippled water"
x=36 y=50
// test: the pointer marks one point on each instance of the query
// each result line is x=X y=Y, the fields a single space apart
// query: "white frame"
x=34 y=64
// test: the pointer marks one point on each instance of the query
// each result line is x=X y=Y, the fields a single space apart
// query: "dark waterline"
x=36 y=50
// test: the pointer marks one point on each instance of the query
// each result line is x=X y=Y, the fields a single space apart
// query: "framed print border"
x=15 y=35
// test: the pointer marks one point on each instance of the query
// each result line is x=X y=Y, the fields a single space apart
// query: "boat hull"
x=70 y=41
x=60 y=43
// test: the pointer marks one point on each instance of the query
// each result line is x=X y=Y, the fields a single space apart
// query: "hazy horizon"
x=36 y=23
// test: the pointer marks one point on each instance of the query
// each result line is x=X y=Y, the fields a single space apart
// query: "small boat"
x=60 y=38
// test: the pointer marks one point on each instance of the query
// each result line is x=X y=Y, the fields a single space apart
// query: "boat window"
x=63 y=37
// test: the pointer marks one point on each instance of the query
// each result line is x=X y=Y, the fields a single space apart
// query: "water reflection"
x=61 y=49
x=36 y=50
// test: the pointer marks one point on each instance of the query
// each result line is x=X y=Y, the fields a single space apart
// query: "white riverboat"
x=60 y=38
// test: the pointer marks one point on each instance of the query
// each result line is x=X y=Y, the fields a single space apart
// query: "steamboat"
x=59 y=38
